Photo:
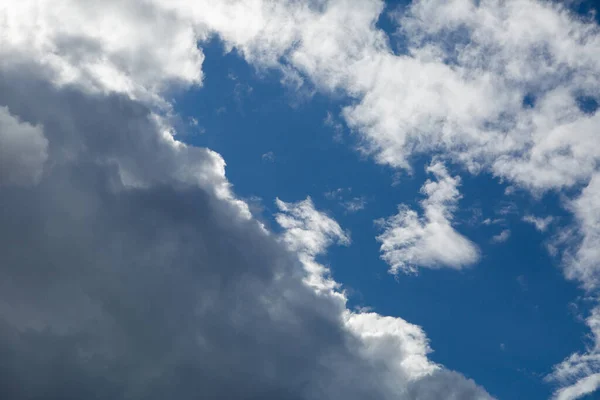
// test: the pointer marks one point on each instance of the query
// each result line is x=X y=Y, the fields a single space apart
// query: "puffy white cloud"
x=23 y=150
x=132 y=47
x=309 y=233
x=399 y=347
x=308 y=230
x=503 y=98
x=410 y=241
x=503 y=95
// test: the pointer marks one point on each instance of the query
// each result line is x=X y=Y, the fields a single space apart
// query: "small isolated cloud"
x=541 y=224
x=410 y=240
x=268 y=157
x=501 y=237
x=490 y=221
x=334 y=124
x=336 y=194
x=350 y=205
x=508 y=208
x=354 y=205
x=522 y=281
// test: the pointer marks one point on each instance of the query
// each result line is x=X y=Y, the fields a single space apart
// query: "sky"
x=304 y=200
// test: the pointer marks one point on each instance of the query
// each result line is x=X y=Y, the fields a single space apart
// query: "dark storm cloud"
x=126 y=273
x=111 y=291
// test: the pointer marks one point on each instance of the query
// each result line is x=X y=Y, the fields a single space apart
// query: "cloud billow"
x=128 y=267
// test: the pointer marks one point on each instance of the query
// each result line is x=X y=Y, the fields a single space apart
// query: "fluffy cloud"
x=501 y=97
x=129 y=268
x=513 y=93
x=410 y=241
x=131 y=47
x=506 y=97
x=399 y=347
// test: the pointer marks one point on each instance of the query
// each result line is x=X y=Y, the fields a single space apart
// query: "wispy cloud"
x=541 y=224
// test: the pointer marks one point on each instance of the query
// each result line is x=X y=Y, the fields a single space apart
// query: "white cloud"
x=268 y=156
x=308 y=230
x=541 y=224
x=579 y=374
x=584 y=386
x=410 y=241
x=335 y=194
x=355 y=204
x=399 y=347
x=342 y=196
x=23 y=150
x=489 y=221
x=83 y=45
x=502 y=98
x=583 y=263
x=501 y=237
x=309 y=233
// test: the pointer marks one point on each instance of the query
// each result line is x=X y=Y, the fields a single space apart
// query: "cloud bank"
x=130 y=270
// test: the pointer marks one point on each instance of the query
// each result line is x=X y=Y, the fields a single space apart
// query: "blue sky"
x=436 y=233
x=503 y=322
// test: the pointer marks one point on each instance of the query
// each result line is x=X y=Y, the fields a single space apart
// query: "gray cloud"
x=128 y=268
x=22 y=150
x=130 y=272
x=146 y=292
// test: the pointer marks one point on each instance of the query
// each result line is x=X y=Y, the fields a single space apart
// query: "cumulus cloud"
x=81 y=44
x=514 y=93
x=410 y=241
x=506 y=97
x=129 y=267
x=399 y=347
